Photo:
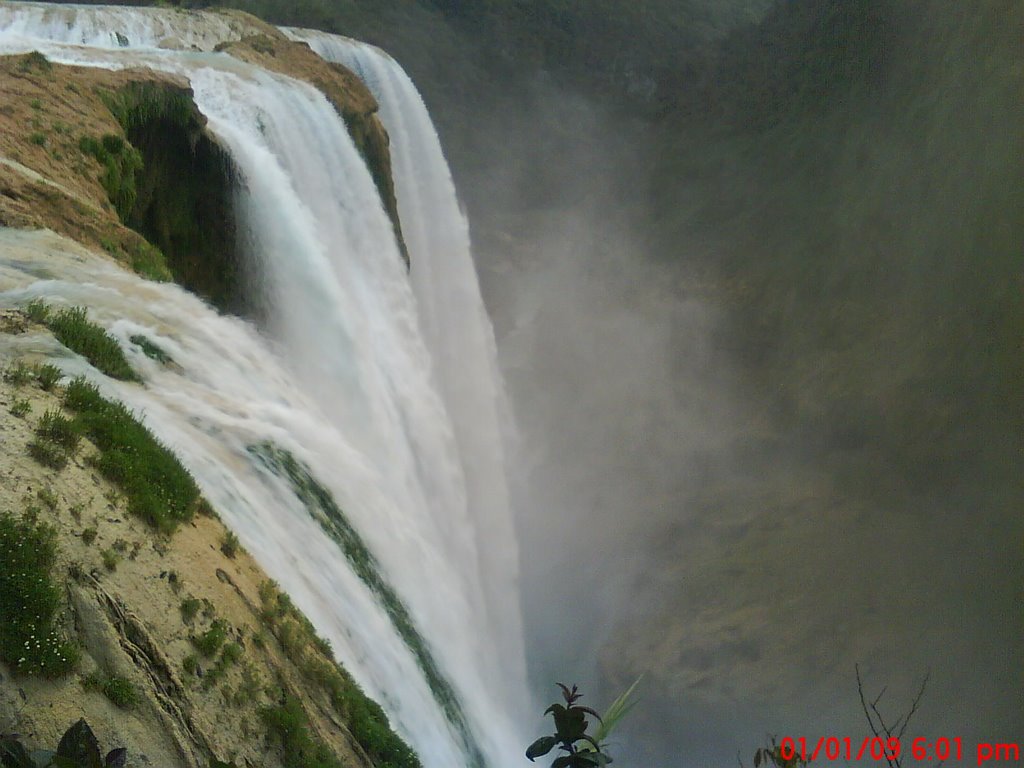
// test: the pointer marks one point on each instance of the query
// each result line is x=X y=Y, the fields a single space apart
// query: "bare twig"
x=877 y=722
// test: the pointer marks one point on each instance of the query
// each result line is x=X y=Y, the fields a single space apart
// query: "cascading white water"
x=111 y=27
x=453 y=318
x=404 y=433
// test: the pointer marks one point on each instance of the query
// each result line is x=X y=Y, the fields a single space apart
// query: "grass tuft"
x=158 y=488
x=48 y=376
x=48 y=454
x=58 y=429
x=120 y=690
x=73 y=329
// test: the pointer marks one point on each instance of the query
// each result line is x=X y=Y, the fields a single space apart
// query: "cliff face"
x=189 y=655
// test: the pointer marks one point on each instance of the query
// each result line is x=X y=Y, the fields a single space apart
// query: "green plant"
x=189 y=608
x=18 y=374
x=229 y=545
x=212 y=639
x=190 y=663
x=38 y=311
x=89 y=536
x=289 y=724
x=158 y=488
x=48 y=376
x=110 y=559
x=36 y=104
x=30 y=641
x=58 y=429
x=120 y=690
x=151 y=350
x=78 y=748
x=38 y=138
x=48 y=497
x=21 y=408
x=73 y=329
x=570 y=736
x=48 y=454
x=35 y=61
x=121 y=164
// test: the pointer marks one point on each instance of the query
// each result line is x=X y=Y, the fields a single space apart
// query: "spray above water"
x=380 y=393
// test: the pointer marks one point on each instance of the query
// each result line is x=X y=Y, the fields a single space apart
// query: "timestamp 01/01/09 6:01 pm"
x=876 y=748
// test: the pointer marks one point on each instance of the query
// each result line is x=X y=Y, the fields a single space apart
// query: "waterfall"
x=385 y=387
x=445 y=283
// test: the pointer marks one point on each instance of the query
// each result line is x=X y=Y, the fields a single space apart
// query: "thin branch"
x=913 y=706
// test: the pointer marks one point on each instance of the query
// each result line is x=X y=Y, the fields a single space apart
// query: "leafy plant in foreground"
x=570 y=736
x=78 y=748
x=30 y=641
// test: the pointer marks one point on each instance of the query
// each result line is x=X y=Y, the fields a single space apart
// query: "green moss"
x=121 y=165
x=30 y=641
x=184 y=202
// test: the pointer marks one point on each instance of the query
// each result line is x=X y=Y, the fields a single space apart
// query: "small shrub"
x=231 y=654
x=36 y=104
x=189 y=609
x=48 y=376
x=73 y=329
x=48 y=454
x=48 y=497
x=57 y=427
x=120 y=690
x=110 y=559
x=38 y=138
x=59 y=430
x=29 y=600
x=21 y=408
x=18 y=374
x=35 y=62
x=80 y=395
x=190 y=663
x=229 y=545
x=38 y=311
x=289 y=724
x=89 y=536
x=212 y=639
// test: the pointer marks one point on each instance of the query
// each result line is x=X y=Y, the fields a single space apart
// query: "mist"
x=768 y=405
